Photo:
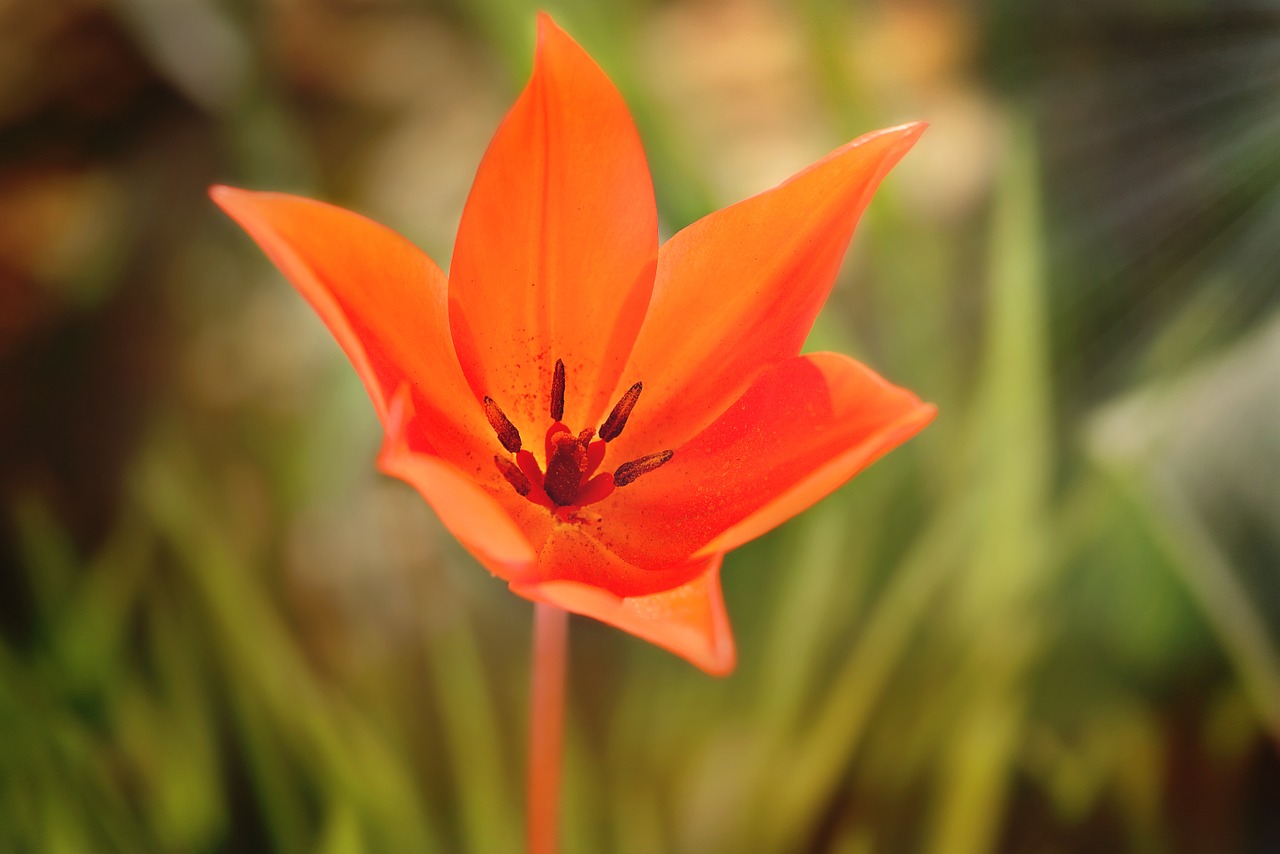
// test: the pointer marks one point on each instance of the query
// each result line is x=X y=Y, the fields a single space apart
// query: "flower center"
x=570 y=478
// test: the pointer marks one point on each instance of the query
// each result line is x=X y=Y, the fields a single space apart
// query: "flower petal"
x=803 y=428
x=571 y=553
x=382 y=298
x=557 y=246
x=689 y=620
x=481 y=523
x=739 y=289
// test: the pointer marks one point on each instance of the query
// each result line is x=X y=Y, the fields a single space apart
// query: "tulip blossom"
x=595 y=417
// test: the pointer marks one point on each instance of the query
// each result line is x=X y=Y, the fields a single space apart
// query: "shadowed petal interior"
x=471 y=512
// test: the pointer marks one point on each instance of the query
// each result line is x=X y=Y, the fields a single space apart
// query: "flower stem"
x=546 y=727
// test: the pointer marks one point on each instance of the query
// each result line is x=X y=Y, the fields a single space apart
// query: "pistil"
x=566 y=461
x=570 y=479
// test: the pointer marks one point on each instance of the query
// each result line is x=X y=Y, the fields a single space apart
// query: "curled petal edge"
x=689 y=620
x=803 y=427
x=822 y=482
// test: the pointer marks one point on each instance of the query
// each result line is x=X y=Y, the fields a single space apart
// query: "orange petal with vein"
x=738 y=290
x=557 y=245
x=382 y=298
x=804 y=427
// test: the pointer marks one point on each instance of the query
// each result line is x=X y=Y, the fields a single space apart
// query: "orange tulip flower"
x=596 y=418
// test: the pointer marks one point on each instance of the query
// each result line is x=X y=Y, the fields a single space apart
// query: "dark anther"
x=518 y=480
x=612 y=426
x=557 y=392
x=508 y=435
x=628 y=472
x=564 y=469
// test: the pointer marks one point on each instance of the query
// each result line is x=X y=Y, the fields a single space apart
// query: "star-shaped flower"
x=596 y=418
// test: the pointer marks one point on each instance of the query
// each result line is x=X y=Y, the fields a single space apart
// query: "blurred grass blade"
x=341 y=834
x=48 y=553
x=825 y=561
x=833 y=736
x=345 y=752
x=472 y=735
x=1208 y=574
x=1181 y=452
x=1000 y=595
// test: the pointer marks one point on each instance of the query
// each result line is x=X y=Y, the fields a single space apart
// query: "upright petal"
x=739 y=289
x=803 y=428
x=689 y=620
x=557 y=245
x=382 y=298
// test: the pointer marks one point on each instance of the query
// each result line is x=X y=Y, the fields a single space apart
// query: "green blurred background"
x=1048 y=624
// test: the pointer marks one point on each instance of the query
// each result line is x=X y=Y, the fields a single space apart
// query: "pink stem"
x=546 y=727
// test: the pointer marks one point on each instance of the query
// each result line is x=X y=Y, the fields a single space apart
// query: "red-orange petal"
x=571 y=553
x=689 y=620
x=557 y=246
x=382 y=298
x=739 y=289
x=803 y=428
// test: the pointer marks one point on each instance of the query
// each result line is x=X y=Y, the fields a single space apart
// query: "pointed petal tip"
x=233 y=201
x=221 y=194
x=911 y=131
x=545 y=22
x=899 y=137
x=906 y=129
x=689 y=621
x=721 y=660
x=918 y=417
x=548 y=30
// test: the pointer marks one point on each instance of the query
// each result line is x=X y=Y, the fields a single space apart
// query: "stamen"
x=557 y=392
x=570 y=479
x=628 y=472
x=519 y=480
x=508 y=435
x=612 y=426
